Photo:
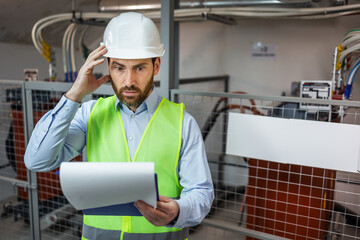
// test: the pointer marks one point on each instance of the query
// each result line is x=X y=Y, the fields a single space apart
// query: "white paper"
x=303 y=142
x=99 y=184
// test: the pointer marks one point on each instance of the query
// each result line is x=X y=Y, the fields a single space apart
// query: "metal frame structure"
x=200 y=99
x=175 y=92
x=169 y=32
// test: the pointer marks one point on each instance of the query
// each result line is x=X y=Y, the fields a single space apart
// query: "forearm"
x=53 y=140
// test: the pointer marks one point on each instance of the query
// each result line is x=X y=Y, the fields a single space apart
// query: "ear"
x=157 y=66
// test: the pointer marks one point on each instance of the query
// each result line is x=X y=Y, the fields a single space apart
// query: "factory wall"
x=304 y=51
x=17 y=57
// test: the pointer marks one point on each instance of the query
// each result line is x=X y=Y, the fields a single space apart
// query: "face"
x=132 y=79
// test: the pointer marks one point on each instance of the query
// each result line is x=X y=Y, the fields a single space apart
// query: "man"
x=135 y=124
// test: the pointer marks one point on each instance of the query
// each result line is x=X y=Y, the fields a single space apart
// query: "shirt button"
x=130 y=138
x=132 y=115
x=66 y=108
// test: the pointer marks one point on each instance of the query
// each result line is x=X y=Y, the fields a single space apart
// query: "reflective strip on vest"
x=93 y=233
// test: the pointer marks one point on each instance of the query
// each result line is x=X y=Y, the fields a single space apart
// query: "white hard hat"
x=132 y=36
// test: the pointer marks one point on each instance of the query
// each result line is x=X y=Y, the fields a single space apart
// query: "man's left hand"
x=166 y=211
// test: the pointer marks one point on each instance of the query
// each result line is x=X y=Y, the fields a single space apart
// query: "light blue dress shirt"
x=60 y=135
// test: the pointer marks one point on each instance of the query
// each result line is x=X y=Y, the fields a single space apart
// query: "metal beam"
x=169 y=32
x=268 y=98
x=31 y=176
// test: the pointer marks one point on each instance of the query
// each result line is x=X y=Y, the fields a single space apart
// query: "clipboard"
x=109 y=188
x=126 y=209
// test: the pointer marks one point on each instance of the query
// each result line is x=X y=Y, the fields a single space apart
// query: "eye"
x=140 y=68
x=119 y=68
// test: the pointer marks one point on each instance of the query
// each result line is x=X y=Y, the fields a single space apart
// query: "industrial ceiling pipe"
x=142 y=5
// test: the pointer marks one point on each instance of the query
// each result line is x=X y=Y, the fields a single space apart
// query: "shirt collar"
x=150 y=103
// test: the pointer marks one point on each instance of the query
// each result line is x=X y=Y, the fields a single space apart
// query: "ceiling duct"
x=142 y=5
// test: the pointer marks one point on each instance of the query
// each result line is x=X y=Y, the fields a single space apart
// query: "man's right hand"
x=86 y=82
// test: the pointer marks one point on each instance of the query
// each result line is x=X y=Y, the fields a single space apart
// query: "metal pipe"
x=17 y=183
x=105 y=5
x=340 y=103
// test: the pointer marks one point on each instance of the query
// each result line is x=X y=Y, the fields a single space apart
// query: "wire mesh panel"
x=14 y=223
x=289 y=200
x=273 y=199
x=58 y=218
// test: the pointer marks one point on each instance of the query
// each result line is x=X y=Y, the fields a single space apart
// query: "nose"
x=129 y=78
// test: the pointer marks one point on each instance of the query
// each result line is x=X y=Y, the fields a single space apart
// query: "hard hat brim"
x=135 y=53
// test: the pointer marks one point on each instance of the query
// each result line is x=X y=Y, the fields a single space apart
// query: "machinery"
x=346 y=64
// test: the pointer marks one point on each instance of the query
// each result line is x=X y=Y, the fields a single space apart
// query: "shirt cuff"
x=182 y=217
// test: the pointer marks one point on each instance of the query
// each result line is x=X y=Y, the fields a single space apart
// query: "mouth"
x=129 y=93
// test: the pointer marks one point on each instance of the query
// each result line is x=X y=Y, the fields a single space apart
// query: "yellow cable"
x=46 y=51
x=46 y=56
x=340 y=48
x=45 y=45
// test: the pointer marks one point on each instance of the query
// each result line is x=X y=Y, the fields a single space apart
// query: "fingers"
x=97 y=62
x=93 y=60
x=104 y=79
x=154 y=216
x=144 y=207
x=98 y=52
x=165 y=199
x=169 y=206
x=167 y=210
x=86 y=82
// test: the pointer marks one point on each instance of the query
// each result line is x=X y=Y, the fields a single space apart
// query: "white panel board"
x=309 y=143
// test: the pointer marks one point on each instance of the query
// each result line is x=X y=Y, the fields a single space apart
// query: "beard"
x=134 y=101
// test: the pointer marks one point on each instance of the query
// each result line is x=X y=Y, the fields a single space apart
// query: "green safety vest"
x=160 y=143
